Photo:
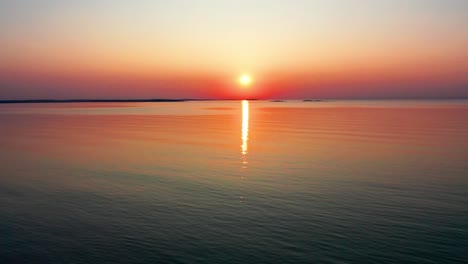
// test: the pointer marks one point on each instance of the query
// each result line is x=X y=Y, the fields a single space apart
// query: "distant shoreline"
x=110 y=101
x=42 y=101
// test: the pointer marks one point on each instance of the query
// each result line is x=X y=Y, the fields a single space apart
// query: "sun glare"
x=245 y=80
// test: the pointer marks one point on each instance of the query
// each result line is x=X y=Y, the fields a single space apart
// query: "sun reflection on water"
x=245 y=132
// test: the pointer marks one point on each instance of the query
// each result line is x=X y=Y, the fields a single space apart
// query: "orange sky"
x=197 y=49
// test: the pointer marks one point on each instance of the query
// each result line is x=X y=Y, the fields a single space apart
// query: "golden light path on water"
x=245 y=132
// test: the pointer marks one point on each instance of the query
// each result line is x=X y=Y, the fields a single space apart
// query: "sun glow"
x=245 y=80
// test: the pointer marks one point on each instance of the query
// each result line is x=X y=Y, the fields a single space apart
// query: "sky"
x=292 y=49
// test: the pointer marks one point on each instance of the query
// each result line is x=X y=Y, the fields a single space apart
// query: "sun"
x=245 y=80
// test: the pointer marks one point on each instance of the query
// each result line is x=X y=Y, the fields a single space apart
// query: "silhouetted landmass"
x=277 y=101
x=89 y=101
x=109 y=100
x=313 y=100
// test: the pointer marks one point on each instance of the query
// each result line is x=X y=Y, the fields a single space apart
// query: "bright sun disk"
x=245 y=80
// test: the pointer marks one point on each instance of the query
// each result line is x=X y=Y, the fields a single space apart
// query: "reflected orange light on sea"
x=245 y=132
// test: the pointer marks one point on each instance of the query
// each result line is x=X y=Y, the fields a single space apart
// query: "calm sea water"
x=234 y=182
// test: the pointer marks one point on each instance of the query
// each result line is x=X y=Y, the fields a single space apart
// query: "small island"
x=313 y=100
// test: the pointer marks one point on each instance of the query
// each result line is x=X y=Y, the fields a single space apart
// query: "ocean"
x=358 y=181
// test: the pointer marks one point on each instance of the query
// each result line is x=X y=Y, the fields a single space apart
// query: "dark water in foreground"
x=233 y=182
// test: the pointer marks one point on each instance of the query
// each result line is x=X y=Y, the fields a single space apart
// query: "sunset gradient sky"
x=119 y=49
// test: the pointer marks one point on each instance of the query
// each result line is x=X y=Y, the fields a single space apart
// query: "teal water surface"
x=234 y=182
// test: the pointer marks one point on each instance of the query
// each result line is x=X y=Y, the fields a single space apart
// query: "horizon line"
x=155 y=100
